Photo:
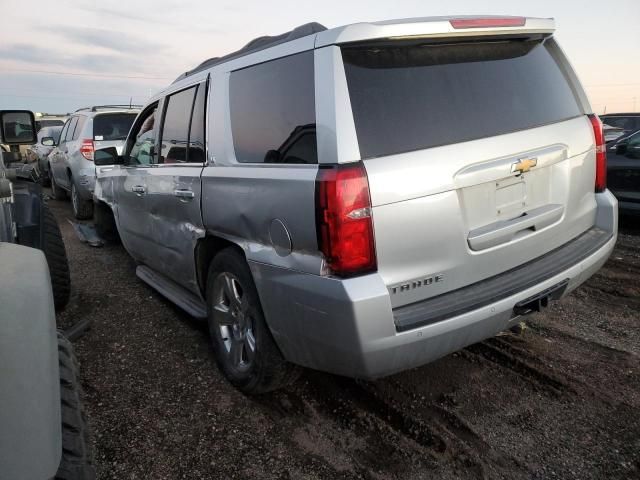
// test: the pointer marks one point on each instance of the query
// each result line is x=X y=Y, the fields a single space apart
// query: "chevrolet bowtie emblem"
x=523 y=165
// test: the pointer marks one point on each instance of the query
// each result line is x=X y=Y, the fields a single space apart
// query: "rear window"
x=112 y=126
x=410 y=96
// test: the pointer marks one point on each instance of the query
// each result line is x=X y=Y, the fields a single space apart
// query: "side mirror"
x=17 y=127
x=107 y=156
x=48 y=142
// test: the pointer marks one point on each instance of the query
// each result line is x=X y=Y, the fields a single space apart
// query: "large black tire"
x=82 y=209
x=77 y=461
x=266 y=370
x=54 y=251
x=104 y=222
x=57 y=192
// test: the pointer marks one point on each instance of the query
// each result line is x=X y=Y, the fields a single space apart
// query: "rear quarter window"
x=408 y=96
x=273 y=114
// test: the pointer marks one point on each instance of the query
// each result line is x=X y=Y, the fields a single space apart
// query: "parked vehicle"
x=24 y=216
x=364 y=200
x=49 y=120
x=71 y=167
x=44 y=432
x=623 y=171
x=39 y=152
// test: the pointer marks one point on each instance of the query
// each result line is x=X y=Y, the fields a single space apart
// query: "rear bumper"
x=348 y=327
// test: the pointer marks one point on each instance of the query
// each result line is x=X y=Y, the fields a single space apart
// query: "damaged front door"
x=174 y=186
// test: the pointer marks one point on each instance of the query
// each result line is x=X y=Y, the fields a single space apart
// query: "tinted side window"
x=175 y=128
x=196 y=133
x=72 y=126
x=79 y=127
x=272 y=105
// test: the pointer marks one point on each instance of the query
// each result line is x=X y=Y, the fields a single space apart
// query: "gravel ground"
x=560 y=400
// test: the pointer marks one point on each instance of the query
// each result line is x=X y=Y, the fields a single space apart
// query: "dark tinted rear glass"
x=273 y=108
x=112 y=126
x=410 y=97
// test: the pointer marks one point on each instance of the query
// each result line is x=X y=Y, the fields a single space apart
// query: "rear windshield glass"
x=112 y=126
x=408 y=97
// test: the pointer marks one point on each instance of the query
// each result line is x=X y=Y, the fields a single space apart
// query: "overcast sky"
x=59 y=55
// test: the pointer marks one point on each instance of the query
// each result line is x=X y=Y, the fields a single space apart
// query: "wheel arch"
x=206 y=249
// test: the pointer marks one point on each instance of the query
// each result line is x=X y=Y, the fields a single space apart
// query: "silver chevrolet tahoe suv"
x=365 y=199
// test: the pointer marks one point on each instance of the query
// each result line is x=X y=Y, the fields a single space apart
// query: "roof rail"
x=95 y=108
x=258 y=44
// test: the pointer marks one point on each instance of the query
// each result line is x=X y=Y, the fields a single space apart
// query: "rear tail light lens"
x=488 y=22
x=601 y=153
x=343 y=218
x=86 y=149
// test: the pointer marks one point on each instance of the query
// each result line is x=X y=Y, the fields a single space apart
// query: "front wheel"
x=242 y=343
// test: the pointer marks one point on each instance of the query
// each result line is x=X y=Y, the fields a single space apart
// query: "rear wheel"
x=243 y=346
x=56 y=254
x=76 y=462
x=82 y=209
x=57 y=192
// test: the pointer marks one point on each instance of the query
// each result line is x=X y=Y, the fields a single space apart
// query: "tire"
x=57 y=193
x=252 y=370
x=82 y=209
x=77 y=461
x=56 y=254
x=105 y=224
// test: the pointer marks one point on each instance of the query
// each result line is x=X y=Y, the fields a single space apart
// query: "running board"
x=186 y=300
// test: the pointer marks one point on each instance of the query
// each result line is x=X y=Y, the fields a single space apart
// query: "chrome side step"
x=186 y=300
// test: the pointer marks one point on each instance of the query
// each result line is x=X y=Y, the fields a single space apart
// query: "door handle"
x=184 y=194
x=139 y=189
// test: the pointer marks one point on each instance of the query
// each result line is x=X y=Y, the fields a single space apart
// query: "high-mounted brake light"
x=488 y=22
x=343 y=219
x=601 y=153
x=86 y=149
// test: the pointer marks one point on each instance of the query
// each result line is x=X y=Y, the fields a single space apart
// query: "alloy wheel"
x=232 y=316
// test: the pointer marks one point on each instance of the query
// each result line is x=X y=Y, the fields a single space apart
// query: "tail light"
x=343 y=219
x=86 y=149
x=601 y=153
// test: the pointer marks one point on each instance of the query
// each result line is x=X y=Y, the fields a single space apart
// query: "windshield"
x=409 y=96
x=112 y=126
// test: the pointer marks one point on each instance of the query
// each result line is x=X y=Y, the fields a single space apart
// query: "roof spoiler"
x=258 y=44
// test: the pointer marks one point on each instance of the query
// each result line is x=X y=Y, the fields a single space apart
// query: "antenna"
x=130 y=101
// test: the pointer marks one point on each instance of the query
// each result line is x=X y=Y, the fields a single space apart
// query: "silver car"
x=39 y=152
x=70 y=164
x=366 y=199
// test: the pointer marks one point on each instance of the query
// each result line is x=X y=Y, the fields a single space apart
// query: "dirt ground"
x=560 y=400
